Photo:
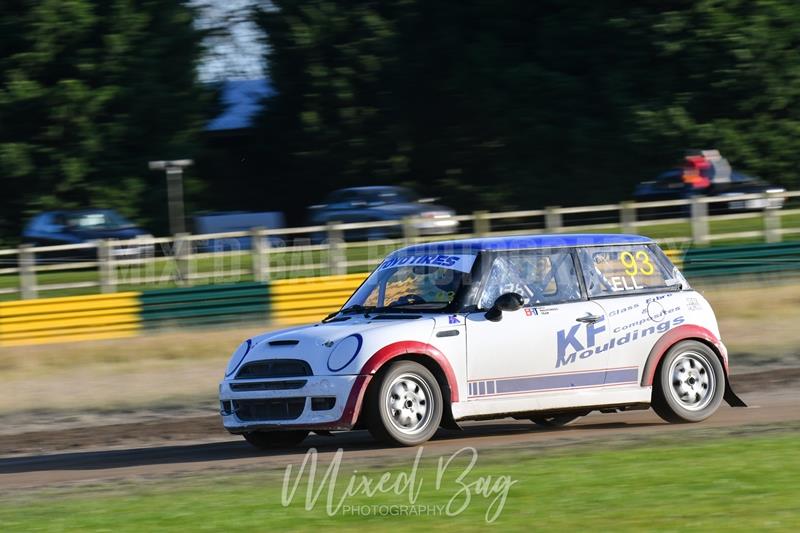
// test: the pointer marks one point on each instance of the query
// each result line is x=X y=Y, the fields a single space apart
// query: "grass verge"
x=742 y=482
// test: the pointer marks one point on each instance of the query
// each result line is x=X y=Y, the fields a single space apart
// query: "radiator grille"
x=274 y=368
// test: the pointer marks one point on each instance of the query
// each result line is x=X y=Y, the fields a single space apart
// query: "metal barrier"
x=283 y=302
x=676 y=256
x=73 y=318
x=184 y=260
x=304 y=300
x=205 y=305
x=736 y=260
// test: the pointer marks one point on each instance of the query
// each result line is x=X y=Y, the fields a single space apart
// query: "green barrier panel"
x=205 y=305
x=739 y=260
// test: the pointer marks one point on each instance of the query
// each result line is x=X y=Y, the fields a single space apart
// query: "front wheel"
x=405 y=407
x=273 y=440
x=689 y=384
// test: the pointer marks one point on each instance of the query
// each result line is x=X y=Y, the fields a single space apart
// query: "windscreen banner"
x=461 y=263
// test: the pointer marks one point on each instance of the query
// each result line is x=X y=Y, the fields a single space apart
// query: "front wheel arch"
x=438 y=372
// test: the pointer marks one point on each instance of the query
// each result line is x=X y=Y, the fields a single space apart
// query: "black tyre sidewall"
x=378 y=422
x=671 y=409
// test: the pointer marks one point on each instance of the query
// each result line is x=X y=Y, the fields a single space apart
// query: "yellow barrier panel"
x=71 y=318
x=305 y=300
x=676 y=256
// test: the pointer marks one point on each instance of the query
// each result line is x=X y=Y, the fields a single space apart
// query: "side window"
x=624 y=269
x=539 y=277
x=58 y=222
x=39 y=223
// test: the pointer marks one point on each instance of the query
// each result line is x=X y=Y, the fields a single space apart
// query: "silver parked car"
x=379 y=204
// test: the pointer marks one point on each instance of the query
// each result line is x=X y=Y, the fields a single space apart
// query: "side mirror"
x=510 y=301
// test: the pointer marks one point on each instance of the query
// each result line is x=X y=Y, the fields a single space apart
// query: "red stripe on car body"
x=396 y=349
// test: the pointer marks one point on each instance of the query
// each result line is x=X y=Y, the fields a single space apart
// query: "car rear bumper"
x=436 y=226
x=756 y=204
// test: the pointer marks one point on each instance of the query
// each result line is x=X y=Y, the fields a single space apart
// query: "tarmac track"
x=200 y=445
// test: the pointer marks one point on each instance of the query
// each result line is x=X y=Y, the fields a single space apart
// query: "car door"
x=639 y=292
x=555 y=342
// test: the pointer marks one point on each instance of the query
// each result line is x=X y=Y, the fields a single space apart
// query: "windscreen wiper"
x=353 y=309
x=410 y=307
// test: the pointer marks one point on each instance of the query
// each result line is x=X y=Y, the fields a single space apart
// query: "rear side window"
x=611 y=270
x=540 y=277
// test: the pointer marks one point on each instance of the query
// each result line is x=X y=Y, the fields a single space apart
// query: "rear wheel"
x=272 y=440
x=406 y=406
x=554 y=421
x=689 y=384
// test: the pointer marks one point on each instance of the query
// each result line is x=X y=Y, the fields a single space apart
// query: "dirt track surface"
x=199 y=444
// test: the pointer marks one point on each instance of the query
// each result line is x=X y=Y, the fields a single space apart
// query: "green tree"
x=728 y=75
x=89 y=92
x=519 y=103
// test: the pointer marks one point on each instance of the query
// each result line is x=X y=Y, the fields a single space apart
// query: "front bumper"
x=291 y=408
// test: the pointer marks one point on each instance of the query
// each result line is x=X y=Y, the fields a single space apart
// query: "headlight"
x=237 y=357
x=344 y=352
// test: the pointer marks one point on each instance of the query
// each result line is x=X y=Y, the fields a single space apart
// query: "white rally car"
x=546 y=328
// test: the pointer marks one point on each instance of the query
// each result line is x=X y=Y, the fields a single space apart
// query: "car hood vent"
x=283 y=342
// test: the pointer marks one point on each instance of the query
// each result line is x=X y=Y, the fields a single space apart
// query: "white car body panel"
x=637 y=322
x=545 y=401
x=538 y=358
x=504 y=357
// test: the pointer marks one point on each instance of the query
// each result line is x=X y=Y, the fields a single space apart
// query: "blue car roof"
x=522 y=242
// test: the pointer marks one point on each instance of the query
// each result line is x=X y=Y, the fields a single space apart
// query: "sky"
x=236 y=53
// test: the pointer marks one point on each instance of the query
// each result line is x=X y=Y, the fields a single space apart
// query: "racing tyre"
x=689 y=383
x=273 y=440
x=405 y=407
x=555 y=421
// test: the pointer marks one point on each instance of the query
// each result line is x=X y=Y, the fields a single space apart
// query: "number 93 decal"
x=637 y=264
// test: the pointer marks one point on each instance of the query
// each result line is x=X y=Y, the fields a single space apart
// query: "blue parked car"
x=705 y=173
x=235 y=221
x=85 y=225
x=382 y=203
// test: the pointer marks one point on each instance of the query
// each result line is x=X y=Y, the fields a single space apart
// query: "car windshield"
x=97 y=220
x=390 y=196
x=745 y=179
x=418 y=282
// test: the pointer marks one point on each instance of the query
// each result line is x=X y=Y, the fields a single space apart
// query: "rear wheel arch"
x=702 y=341
x=675 y=336
x=693 y=387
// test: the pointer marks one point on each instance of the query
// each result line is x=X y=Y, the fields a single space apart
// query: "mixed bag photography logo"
x=449 y=488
